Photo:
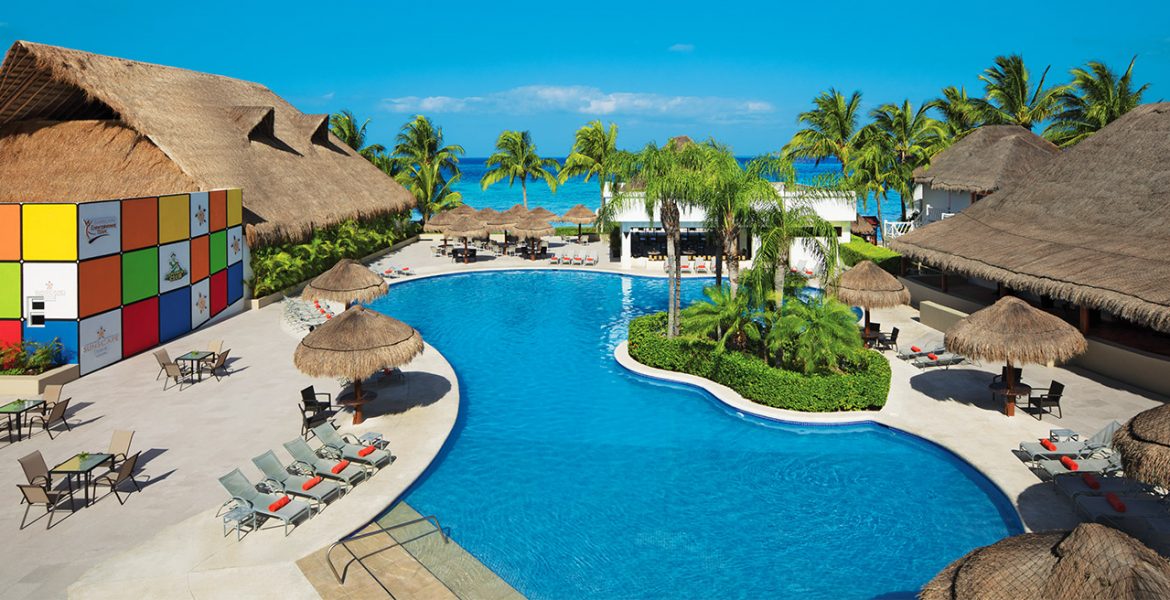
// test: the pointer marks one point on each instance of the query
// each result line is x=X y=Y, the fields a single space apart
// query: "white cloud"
x=586 y=100
x=682 y=48
x=329 y=96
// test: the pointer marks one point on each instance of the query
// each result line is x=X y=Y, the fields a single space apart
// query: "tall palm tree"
x=873 y=171
x=345 y=126
x=1095 y=98
x=592 y=155
x=516 y=158
x=778 y=226
x=830 y=129
x=912 y=137
x=426 y=166
x=431 y=188
x=1011 y=99
x=959 y=115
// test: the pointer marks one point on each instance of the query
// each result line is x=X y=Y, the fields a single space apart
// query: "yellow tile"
x=174 y=218
x=49 y=232
x=235 y=207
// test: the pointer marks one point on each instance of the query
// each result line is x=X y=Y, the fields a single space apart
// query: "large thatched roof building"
x=76 y=126
x=1087 y=227
x=986 y=160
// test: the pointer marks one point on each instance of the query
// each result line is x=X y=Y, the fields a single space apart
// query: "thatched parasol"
x=356 y=344
x=486 y=214
x=466 y=227
x=543 y=213
x=439 y=222
x=1144 y=443
x=347 y=281
x=505 y=220
x=533 y=228
x=580 y=215
x=1091 y=562
x=869 y=286
x=463 y=210
x=1012 y=330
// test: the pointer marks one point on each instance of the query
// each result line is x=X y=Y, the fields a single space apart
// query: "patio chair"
x=1077 y=484
x=117 y=476
x=35 y=469
x=177 y=374
x=1101 y=440
x=1017 y=374
x=218 y=367
x=1044 y=403
x=57 y=415
x=939 y=360
x=281 y=508
x=590 y=260
x=311 y=418
x=1053 y=467
x=916 y=352
x=311 y=463
x=120 y=445
x=314 y=489
x=51 y=397
x=701 y=267
x=347 y=447
x=163 y=360
x=42 y=496
x=887 y=341
x=685 y=268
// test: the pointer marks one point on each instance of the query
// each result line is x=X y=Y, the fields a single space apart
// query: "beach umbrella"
x=484 y=214
x=438 y=223
x=543 y=213
x=1144 y=444
x=356 y=344
x=463 y=210
x=1091 y=562
x=532 y=228
x=466 y=227
x=869 y=286
x=347 y=282
x=1014 y=332
x=505 y=220
x=580 y=215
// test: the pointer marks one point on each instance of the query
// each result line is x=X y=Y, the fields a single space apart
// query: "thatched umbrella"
x=580 y=215
x=356 y=344
x=533 y=228
x=348 y=281
x=1091 y=562
x=869 y=286
x=463 y=210
x=1144 y=444
x=543 y=213
x=505 y=220
x=439 y=222
x=466 y=227
x=1012 y=330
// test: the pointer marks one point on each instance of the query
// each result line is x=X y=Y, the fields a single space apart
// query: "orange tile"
x=9 y=232
x=218 y=209
x=139 y=223
x=99 y=282
x=199 y=258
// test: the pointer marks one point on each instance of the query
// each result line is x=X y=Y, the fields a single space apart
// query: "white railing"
x=947 y=215
x=893 y=229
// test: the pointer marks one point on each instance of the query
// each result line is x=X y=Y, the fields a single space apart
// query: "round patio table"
x=1000 y=388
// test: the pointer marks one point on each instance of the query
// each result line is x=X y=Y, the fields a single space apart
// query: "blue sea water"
x=576 y=191
x=573 y=478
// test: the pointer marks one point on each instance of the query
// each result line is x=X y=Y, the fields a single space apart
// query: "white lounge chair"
x=1052 y=468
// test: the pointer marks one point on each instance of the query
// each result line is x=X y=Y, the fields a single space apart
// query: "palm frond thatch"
x=580 y=215
x=466 y=226
x=347 y=281
x=356 y=344
x=532 y=227
x=869 y=286
x=543 y=213
x=1144 y=443
x=440 y=221
x=986 y=160
x=1012 y=330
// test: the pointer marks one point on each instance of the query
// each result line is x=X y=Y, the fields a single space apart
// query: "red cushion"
x=932 y=356
x=1069 y=463
x=366 y=451
x=308 y=485
x=915 y=349
x=279 y=504
x=339 y=467
x=1048 y=445
x=1091 y=481
x=1115 y=502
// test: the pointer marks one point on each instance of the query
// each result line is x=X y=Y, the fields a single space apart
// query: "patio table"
x=15 y=411
x=1000 y=388
x=82 y=468
x=196 y=358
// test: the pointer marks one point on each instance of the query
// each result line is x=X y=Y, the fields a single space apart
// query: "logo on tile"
x=235 y=244
x=201 y=216
x=99 y=227
x=177 y=271
x=201 y=303
x=101 y=345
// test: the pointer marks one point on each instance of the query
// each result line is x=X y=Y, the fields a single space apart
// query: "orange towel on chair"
x=339 y=467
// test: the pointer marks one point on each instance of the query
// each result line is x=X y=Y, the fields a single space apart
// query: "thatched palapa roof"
x=869 y=286
x=347 y=281
x=532 y=227
x=1088 y=227
x=466 y=226
x=580 y=215
x=1091 y=562
x=986 y=160
x=356 y=344
x=1144 y=443
x=541 y=212
x=1012 y=330
x=76 y=127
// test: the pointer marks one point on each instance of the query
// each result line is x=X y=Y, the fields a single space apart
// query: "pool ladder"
x=382 y=529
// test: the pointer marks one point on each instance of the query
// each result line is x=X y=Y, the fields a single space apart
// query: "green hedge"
x=564 y=230
x=864 y=388
x=858 y=250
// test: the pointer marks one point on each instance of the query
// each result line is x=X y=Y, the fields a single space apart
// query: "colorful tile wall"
x=174 y=218
x=235 y=282
x=174 y=314
x=139 y=326
x=100 y=341
x=139 y=223
x=235 y=245
x=99 y=230
x=235 y=207
x=9 y=232
x=56 y=283
x=174 y=266
x=10 y=290
x=139 y=275
x=199 y=258
x=200 y=302
x=99 y=285
x=218 y=209
x=200 y=217
x=49 y=232
x=218 y=251
x=218 y=292
x=9 y=332
x=65 y=331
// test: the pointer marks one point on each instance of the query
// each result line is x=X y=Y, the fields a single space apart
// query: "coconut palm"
x=421 y=143
x=959 y=115
x=1095 y=98
x=781 y=223
x=725 y=317
x=830 y=129
x=345 y=126
x=592 y=155
x=516 y=158
x=911 y=136
x=1011 y=99
x=813 y=336
x=431 y=188
x=873 y=172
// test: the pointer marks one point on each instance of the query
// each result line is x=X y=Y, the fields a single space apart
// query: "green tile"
x=218 y=251
x=139 y=275
x=9 y=290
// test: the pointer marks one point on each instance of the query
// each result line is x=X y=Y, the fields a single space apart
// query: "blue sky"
x=737 y=72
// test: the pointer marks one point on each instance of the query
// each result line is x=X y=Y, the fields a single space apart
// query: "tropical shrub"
x=30 y=358
x=813 y=336
x=863 y=383
x=567 y=230
x=858 y=250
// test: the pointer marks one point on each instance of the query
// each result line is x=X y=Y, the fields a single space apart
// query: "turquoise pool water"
x=571 y=477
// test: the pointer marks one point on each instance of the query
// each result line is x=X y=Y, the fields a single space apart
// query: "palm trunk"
x=670 y=226
x=719 y=259
x=524 y=191
x=881 y=223
x=731 y=250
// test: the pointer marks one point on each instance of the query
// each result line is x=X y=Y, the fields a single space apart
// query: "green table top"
x=19 y=406
x=195 y=355
x=77 y=465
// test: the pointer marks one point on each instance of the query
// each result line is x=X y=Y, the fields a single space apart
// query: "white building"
x=643 y=240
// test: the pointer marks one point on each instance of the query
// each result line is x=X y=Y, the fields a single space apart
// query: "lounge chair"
x=120 y=445
x=280 y=479
x=916 y=352
x=57 y=415
x=117 y=476
x=1052 y=468
x=1144 y=520
x=946 y=360
x=1076 y=484
x=51 y=397
x=282 y=508
x=685 y=268
x=554 y=259
x=798 y=268
x=701 y=267
x=350 y=449
x=887 y=341
x=311 y=463
x=1044 y=403
x=218 y=367
x=42 y=496
x=1136 y=506
x=590 y=260
x=1074 y=448
x=578 y=260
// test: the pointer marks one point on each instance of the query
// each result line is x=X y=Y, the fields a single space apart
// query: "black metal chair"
x=1044 y=403
x=888 y=341
x=1017 y=374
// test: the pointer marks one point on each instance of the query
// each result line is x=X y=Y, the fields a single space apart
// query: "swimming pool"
x=571 y=477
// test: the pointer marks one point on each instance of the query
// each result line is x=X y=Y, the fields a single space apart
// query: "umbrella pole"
x=358 y=415
x=578 y=233
x=465 y=261
x=867 y=321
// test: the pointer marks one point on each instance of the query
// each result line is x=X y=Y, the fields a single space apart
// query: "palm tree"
x=831 y=129
x=516 y=158
x=345 y=126
x=724 y=317
x=1010 y=98
x=911 y=136
x=959 y=115
x=873 y=172
x=1095 y=98
x=592 y=155
x=780 y=224
x=431 y=188
x=813 y=336
x=427 y=167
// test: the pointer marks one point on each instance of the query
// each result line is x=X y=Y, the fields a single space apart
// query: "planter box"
x=34 y=385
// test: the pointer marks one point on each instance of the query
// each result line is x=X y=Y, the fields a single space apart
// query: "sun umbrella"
x=463 y=210
x=356 y=344
x=466 y=227
x=1011 y=330
x=505 y=220
x=533 y=228
x=439 y=222
x=1091 y=562
x=543 y=213
x=348 y=281
x=869 y=286
x=1144 y=444
x=580 y=215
